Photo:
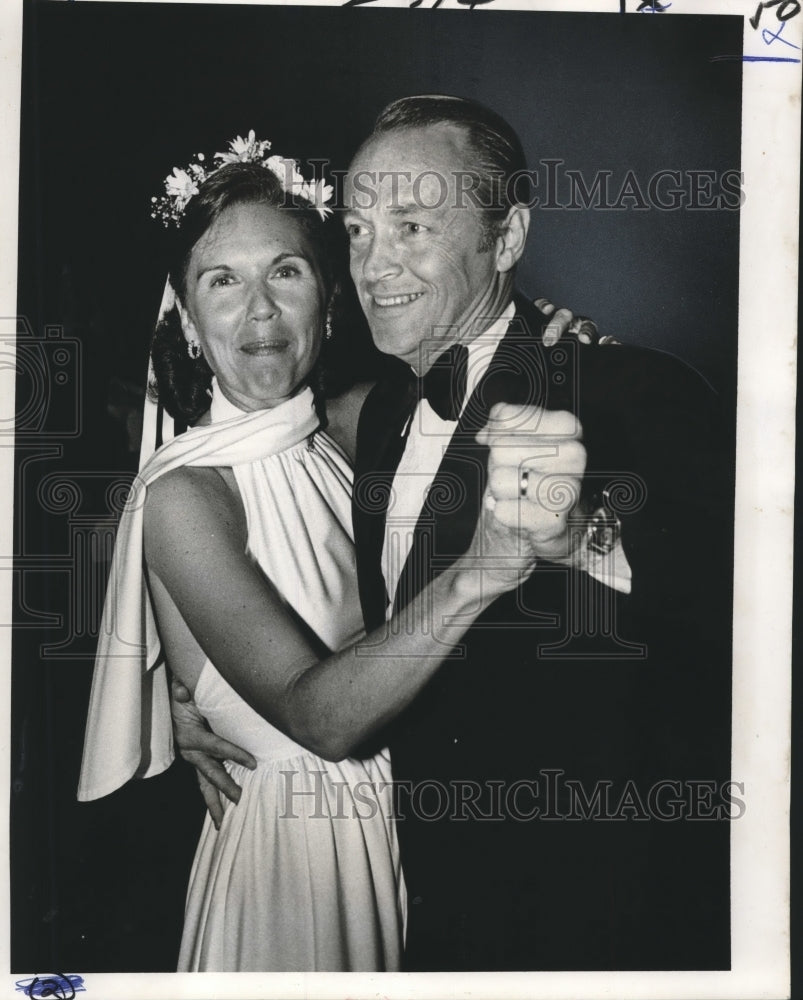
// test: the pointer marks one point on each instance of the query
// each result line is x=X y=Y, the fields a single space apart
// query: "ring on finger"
x=582 y=326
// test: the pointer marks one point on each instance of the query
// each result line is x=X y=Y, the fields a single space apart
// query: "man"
x=560 y=781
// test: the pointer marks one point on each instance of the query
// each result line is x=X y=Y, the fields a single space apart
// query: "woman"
x=245 y=527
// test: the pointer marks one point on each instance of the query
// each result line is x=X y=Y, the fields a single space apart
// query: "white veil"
x=157 y=426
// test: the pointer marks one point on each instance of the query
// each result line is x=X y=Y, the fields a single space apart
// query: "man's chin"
x=394 y=337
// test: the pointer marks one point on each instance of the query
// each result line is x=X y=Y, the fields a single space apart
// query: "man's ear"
x=512 y=238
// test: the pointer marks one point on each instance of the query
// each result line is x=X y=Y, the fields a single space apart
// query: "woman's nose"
x=261 y=304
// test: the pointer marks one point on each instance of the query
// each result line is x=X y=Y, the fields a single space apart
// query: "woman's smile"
x=267 y=347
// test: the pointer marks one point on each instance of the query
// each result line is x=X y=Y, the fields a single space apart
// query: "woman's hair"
x=182 y=383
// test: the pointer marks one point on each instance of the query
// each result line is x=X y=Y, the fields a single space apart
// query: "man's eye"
x=414 y=228
x=354 y=230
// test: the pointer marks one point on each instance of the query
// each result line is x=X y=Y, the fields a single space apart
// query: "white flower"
x=244 y=150
x=287 y=172
x=181 y=186
x=320 y=194
x=242 y=146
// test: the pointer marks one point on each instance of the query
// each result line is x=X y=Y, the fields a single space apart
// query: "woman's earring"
x=194 y=349
x=328 y=331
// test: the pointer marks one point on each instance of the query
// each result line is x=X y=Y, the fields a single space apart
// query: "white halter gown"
x=304 y=873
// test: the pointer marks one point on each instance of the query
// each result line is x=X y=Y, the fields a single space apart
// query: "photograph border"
x=763 y=569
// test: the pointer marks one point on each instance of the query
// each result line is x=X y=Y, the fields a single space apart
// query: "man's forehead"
x=413 y=149
x=408 y=167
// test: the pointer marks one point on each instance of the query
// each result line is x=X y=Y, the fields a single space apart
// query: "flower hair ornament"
x=183 y=183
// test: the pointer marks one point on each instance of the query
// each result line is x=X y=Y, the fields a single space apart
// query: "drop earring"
x=194 y=349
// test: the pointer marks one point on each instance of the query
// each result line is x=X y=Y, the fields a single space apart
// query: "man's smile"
x=386 y=301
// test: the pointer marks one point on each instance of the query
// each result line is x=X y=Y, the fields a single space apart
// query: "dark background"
x=114 y=95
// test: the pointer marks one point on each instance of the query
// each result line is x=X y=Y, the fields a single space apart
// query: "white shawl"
x=129 y=730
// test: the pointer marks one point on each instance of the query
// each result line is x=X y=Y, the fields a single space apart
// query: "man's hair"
x=496 y=150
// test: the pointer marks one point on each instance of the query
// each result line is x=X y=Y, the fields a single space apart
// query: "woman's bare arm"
x=212 y=601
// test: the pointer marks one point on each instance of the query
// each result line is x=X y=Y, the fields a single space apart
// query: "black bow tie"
x=444 y=385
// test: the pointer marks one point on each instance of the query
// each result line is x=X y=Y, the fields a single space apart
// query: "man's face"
x=415 y=257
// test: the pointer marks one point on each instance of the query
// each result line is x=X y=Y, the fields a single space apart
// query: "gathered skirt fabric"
x=303 y=874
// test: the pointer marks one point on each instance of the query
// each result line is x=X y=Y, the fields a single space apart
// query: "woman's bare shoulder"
x=343 y=413
x=190 y=499
x=187 y=484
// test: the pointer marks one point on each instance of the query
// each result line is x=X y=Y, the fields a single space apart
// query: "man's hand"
x=562 y=321
x=199 y=746
x=535 y=470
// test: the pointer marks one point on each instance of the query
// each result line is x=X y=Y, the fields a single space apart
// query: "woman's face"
x=255 y=300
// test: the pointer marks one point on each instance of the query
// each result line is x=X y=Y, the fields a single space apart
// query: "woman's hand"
x=205 y=751
x=562 y=321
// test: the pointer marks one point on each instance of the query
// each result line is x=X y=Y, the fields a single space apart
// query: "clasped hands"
x=535 y=470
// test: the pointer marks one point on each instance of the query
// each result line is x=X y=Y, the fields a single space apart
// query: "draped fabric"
x=129 y=731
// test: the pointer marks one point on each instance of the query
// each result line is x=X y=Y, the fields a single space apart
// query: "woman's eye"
x=222 y=280
x=287 y=271
x=354 y=230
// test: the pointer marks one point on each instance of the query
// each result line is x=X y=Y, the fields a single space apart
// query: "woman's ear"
x=187 y=325
x=512 y=238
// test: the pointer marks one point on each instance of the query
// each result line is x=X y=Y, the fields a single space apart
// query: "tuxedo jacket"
x=562 y=781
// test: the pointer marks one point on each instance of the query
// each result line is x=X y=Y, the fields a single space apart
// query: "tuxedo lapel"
x=520 y=372
x=380 y=443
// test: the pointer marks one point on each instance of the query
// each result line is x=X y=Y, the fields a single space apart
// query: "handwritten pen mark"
x=56 y=985
x=783 y=16
x=753 y=59
x=471 y=4
x=769 y=37
x=645 y=7
x=787 y=10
